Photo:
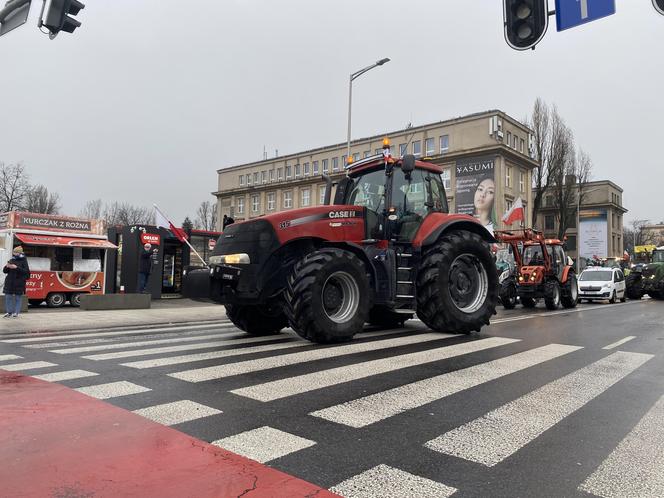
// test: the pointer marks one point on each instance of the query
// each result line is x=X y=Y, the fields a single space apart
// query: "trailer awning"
x=52 y=240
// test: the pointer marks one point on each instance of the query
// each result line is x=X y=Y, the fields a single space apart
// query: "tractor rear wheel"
x=634 y=286
x=257 y=320
x=382 y=316
x=528 y=302
x=457 y=285
x=570 y=294
x=508 y=295
x=552 y=295
x=327 y=296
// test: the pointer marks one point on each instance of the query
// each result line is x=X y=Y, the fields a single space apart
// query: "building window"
x=549 y=222
x=271 y=175
x=509 y=139
x=403 y=148
x=508 y=204
x=326 y=168
x=288 y=199
x=521 y=145
x=297 y=170
x=335 y=165
x=367 y=153
x=240 y=205
x=263 y=176
x=548 y=201
x=447 y=180
x=378 y=152
x=248 y=179
x=356 y=156
x=255 y=203
x=508 y=176
x=241 y=180
x=307 y=170
x=429 y=147
x=522 y=182
x=256 y=178
x=321 y=195
x=417 y=148
x=280 y=174
x=344 y=160
x=444 y=143
x=306 y=197
x=288 y=172
x=514 y=142
x=270 y=201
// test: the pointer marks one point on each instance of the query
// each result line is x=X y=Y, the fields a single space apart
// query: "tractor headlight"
x=231 y=259
x=652 y=277
x=520 y=278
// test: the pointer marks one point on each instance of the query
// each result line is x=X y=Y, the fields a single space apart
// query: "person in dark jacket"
x=227 y=221
x=144 y=267
x=18 y=272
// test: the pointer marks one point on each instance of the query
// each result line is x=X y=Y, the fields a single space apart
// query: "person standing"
x=144 y=267
x=18 y=272
x=227 y=221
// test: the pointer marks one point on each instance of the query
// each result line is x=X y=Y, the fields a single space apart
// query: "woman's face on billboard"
x=484 y=195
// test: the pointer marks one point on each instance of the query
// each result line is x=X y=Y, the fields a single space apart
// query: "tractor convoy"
x=647 y=276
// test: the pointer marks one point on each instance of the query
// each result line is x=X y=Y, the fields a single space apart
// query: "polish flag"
x=515 y=213
x=163 y=222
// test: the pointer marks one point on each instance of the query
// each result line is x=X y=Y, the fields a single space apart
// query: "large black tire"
x=570 y=292
x=75 y=299
x=382 y=316
x=457 y=285
x=257 y=320
x=634 y=286
x=552 y=295
x=508 y=295
x=528 y=302
x=328 y=296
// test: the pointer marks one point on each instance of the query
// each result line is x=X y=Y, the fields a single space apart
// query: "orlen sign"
x=151 y=238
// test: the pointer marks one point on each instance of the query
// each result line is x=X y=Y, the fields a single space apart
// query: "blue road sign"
x=572 y=13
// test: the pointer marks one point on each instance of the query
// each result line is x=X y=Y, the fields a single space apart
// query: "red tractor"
x=385 y=249
x=544 y=270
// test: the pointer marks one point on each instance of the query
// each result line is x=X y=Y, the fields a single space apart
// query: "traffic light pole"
x=12 y=6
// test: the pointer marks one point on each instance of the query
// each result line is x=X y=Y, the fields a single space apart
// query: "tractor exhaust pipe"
x=328 y=190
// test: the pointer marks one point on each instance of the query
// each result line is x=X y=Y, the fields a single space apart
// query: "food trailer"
x=67 y=256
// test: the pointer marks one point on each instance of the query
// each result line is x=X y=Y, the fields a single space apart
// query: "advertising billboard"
x=593 y=233
x=475 y=189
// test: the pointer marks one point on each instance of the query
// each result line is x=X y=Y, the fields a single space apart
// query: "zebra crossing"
x=284 y=401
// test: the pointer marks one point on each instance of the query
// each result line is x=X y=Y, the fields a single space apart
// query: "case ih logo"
x=150 y=238
x=342 y=214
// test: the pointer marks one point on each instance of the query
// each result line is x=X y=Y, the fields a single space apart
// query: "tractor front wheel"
x=257 y=320
x=552 y=295
x=457 y=285
x=570 y=294
x=328 y=296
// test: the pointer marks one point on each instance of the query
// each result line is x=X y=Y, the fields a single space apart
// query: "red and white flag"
x=163 y=222
x=515 y=213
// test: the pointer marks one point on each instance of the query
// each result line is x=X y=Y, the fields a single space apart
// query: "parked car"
x=597 y=283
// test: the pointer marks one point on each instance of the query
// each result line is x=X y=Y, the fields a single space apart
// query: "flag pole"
x=185 y=239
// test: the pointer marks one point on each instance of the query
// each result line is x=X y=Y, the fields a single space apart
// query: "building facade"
x=600 y=220
x=488 y=151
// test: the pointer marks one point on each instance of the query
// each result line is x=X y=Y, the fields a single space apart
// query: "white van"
x=597 y=283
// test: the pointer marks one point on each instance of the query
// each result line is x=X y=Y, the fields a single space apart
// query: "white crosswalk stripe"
x=177 y=412
x=190 y=358
x=19 y=367
x=9 y=357
x=221 y=371
x=376 y=407
x=112 y=390
x=66 y=375
x=383 y=481
x=270 y=391
x=635 y=467
x=492 y=438
x=620 y=342
x=264 y=444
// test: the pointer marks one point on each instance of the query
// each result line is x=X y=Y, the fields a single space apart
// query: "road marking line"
x=8 y=357
x=190 y=358
x=490 y=439
x=264 y=444
x=16 y=367
x=112 y=390
x=370 y=409
x=109 y=334
x=634 y=467
x=221 y=371
x=177 y=412
x=291 y=386
x=620 y=342
x=67 y=375
x=383 y=481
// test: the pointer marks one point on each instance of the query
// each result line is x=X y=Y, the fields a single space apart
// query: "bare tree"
x=40 y=200
x=124 y=213
x=637 y=234
x=92 y=210
x=206 y=216
x=540 y=123
x=14 y=186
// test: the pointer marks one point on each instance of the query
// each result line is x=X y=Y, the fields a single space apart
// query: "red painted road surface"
x=56 y=442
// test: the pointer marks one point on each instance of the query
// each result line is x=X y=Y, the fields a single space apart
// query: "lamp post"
x=354 y=76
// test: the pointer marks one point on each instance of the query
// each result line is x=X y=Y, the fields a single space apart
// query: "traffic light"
x=57 y=17
x=659 y=6
x=526 y=22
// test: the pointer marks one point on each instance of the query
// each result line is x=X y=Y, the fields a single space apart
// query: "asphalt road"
x=565 y=403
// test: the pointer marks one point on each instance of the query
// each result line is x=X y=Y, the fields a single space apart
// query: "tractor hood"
x=654 y=270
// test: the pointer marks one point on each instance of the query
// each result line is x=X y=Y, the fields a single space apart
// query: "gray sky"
x=146 y=100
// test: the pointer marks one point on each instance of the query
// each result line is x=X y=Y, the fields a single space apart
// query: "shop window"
x=429 y=147
x=270 y=201
x=288 y=199
x=444 y=143
x=306 y=197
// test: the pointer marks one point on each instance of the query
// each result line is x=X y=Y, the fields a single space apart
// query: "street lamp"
x=354 y=76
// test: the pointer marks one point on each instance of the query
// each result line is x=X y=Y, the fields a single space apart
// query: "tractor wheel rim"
x=340 y=297
x=468 y=283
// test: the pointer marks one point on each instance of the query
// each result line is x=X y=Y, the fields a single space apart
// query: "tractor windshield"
x=532 y=255
x=658 y=257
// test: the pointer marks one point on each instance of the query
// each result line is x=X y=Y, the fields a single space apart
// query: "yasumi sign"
x=151 y=238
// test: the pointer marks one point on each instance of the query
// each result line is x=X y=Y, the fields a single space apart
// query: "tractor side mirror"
x=408 y=163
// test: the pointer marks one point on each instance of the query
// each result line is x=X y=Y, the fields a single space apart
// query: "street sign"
x=572 y=13
x=14 y=14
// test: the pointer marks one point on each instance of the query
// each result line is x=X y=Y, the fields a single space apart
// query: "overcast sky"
x=147 y=99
